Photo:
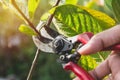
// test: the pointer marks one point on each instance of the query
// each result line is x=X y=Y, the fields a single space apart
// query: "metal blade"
x=47 y=36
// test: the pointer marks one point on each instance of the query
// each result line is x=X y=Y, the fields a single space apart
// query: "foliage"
x=32 y=6
x=116 y=9
x=25 y=29
x=17 y=59
x=108 y=3
x=71 y=1
x=87 y=62
x=70 y=19
x=75 y=20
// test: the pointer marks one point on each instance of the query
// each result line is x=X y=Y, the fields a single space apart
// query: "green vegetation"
x=71 y=17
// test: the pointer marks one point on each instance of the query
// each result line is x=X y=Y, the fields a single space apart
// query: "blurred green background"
x=17 y=50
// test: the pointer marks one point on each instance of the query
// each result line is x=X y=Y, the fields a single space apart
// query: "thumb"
x=102 y=40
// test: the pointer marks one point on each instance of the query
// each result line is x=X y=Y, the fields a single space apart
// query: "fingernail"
x=84 y=49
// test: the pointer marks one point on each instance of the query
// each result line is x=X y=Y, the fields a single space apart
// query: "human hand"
x=110 y=65
x=102 y=40
x=98 y=42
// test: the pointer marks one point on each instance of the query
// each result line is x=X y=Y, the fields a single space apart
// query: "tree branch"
x=38 y=51
x=33 y=64
x=26 y=19
x=52 y=15
x=33 y=27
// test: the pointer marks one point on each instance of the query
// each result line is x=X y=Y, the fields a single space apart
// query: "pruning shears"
x=66 y=48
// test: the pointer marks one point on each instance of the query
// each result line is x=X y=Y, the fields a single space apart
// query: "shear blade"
x=45 y=41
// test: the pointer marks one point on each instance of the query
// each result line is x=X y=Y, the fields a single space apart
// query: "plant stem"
x=38 y=51
x=101 y=56
x=51 y=16
x=26 y=19
x=33 y=27
x=33 y=64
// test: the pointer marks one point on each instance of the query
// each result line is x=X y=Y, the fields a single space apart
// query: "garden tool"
x=66 y=48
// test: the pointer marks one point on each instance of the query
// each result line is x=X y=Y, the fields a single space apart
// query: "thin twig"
x=33 y=27
x=33 y=64
x=52 y=15
x=38 y=51
x=26 y=19
x=101 y=56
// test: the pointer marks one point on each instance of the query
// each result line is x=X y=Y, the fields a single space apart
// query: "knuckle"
x=96 y=37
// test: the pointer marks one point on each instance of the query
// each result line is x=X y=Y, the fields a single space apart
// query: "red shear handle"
x=78 y=70
x=85 y=37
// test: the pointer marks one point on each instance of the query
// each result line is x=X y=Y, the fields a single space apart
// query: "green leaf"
x=108 y=3
x=87 y=62
x=104 y=20
x=116 y=9
x=32 y=6
x=71 y=1
x=71 y=20
x=25 y=29
x=45 y=16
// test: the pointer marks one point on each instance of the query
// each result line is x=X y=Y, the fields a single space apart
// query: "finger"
x=101 y=70
x=110 y=65
x=102 y=40
x=114 y=63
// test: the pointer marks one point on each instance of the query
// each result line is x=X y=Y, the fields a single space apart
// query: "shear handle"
x=78 y=71
x=85 y=37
